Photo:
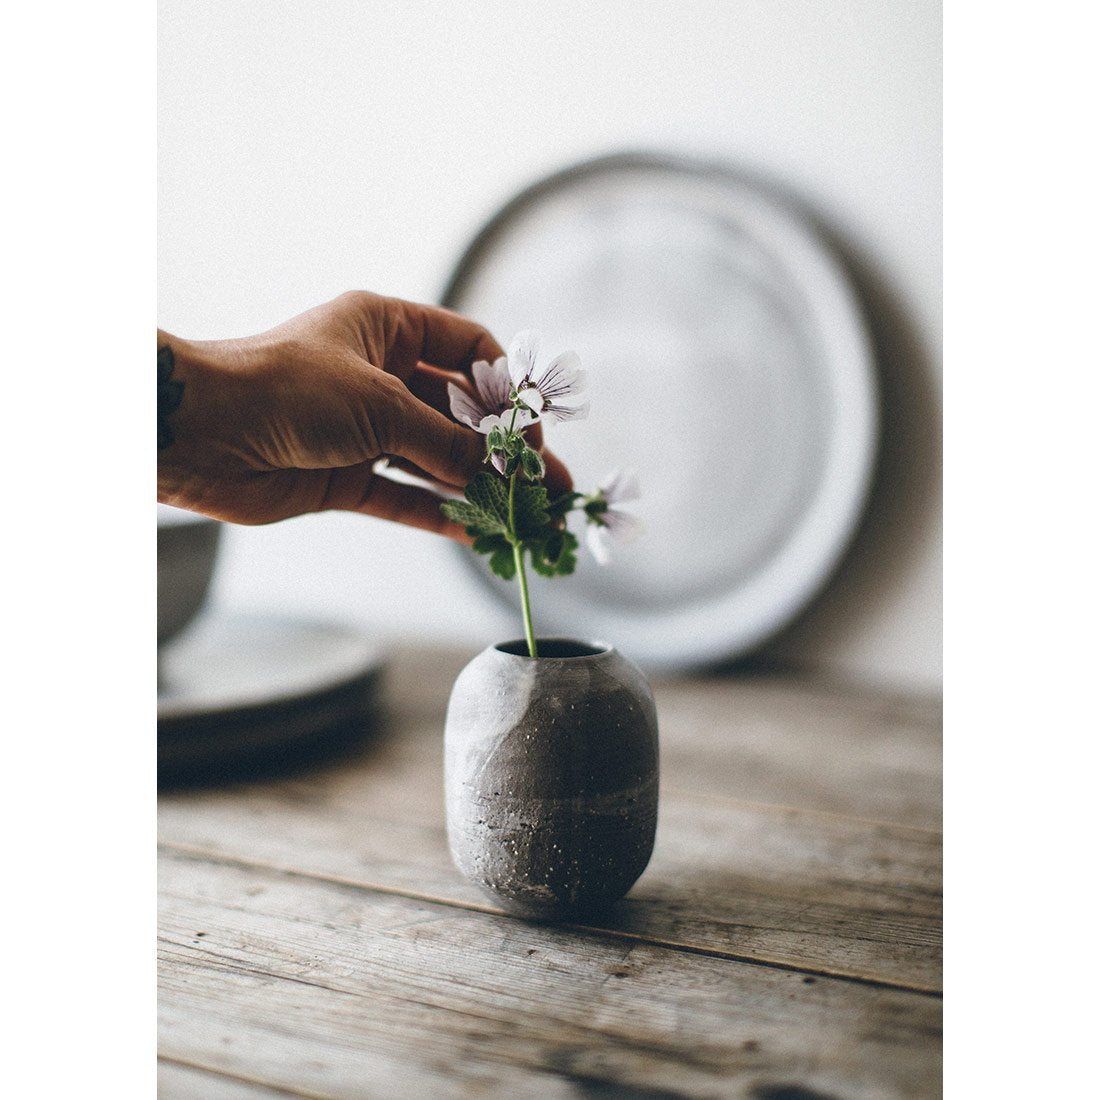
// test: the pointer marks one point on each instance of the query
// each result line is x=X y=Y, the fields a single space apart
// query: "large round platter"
x=729 y=364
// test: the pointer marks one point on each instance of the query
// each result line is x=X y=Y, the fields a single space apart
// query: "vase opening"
x=558 y=648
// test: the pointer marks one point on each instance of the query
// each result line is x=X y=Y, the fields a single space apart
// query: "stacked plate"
x=239 y=695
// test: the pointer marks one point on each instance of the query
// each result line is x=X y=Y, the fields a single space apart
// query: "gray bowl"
x=187 y=547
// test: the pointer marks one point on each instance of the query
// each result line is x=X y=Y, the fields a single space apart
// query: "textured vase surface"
x=551 y=776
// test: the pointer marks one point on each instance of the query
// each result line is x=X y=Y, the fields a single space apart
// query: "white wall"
x=306 y=149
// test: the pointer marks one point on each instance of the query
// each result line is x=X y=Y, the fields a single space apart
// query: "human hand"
x=294 y=420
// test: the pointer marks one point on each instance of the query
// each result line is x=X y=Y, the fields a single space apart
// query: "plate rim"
x=725 y=642
x=173 y=710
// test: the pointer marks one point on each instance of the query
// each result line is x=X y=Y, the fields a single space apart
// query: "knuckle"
x=388 y=411
x=457 y=450
x=357 y=299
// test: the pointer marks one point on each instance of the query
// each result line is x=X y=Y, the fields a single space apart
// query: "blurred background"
x=310 y=149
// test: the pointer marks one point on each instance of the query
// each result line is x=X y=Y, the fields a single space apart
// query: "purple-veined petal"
x=500 y=463
x=562 y=378
x=464 y=407
x=492 y=383
x=566 y=412
x=522 y=353
x=621 y=485
x=624 y=526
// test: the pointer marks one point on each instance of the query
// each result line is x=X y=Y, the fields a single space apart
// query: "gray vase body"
x=551 y=776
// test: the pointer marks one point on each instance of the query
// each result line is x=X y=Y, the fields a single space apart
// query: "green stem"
x=517 y=551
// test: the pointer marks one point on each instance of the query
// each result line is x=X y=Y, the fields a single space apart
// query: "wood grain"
x=813 y=890
x=330 y=990
x=788 y=743
x=761 y=738
x=186 y=1081
x=316 y=940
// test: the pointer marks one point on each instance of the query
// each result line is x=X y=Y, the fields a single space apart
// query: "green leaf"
x=469 y=515
x=486 y=544
x=555 y=555
x=485 y=509
x=501 y=559
x=490 y=494
x=563 y=504
x=532 y=516
x=503 y=562
x=539 y=524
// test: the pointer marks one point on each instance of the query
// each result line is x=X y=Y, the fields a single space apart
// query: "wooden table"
x=784 y=943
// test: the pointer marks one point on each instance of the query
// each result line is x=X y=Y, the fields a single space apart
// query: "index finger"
x=447 y=339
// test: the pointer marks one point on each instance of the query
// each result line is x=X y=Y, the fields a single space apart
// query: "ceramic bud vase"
x=551 y=776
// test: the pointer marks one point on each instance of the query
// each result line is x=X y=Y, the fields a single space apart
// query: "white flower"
x=491 y=405
x=620 y=487
x=503 y=423
x=542 y=386
x=606 y=520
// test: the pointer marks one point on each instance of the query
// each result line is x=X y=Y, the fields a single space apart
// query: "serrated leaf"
x=555 y=555
x=539 y=524
x=532 y=516
x=490 y=494
x=503 y=563
x=563 y=504
x=459 y=511
x=485 y=509
x=501 y=557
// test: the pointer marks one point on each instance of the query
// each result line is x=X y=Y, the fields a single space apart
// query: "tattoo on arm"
x=169 y=396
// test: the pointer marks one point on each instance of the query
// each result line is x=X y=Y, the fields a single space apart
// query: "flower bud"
x=533 y=466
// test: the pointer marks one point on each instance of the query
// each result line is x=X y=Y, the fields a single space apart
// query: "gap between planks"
x=255 y=1082
x=195 y=851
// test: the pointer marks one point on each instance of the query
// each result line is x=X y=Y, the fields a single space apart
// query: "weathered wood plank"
x=177 y=1081
x=775 y=888
x=340 y=992
x=765 y=740
x=820 y=892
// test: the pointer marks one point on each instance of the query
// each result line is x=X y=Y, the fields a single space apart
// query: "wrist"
x=199 y=397
x=169 y=392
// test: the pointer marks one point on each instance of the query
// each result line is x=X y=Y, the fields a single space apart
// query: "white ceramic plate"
x=229 y=664
x=729 y=364
x=239 y=692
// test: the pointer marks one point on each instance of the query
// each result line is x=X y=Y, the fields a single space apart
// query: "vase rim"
x=555 y=649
